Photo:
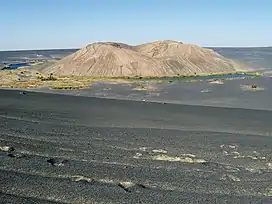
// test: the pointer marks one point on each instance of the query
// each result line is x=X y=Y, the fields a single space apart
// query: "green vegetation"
x=144 y=88
x=19 y=84
x=69 y=86
x=49 y=78
x=171 y=78
x=252 y=87
x=28 y=78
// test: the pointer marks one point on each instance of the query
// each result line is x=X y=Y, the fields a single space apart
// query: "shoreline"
x=27 y=78
x=245 y=73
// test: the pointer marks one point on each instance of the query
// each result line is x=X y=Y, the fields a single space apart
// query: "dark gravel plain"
x=74 y=149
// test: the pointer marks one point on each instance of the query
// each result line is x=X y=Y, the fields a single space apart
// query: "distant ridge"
x=155 y=59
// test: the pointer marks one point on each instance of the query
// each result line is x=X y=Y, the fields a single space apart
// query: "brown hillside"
x=160 y=58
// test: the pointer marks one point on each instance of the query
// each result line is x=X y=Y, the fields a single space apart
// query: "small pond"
x=15 y=66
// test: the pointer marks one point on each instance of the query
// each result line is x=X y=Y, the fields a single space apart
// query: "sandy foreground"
x=75 y=149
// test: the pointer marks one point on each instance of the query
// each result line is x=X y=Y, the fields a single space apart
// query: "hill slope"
x=160 y=58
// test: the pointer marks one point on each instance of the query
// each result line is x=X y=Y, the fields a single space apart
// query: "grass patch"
x=35 y=63
x=67 y=86
x=17 y=79
x=216 y=81
x=144 y=88
x=18 y=84
x=163 y=78
x=49 y=78
x=252 y=87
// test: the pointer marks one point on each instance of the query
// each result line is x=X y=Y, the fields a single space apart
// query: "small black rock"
x=11 y=155
x=123 y=187
x=54 y=162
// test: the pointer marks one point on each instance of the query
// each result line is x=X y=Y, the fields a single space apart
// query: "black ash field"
x=74 y=149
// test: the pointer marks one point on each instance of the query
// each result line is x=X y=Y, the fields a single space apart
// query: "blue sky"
x=42 y=24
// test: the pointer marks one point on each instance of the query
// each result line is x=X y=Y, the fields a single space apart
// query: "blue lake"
x=222 y=76
x=16 y=66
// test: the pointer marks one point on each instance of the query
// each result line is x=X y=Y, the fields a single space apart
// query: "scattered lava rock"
x=6 y=149
x=253 y=86
x=129 y=187
x=10 y=152
x=83 y=179
x=210 y=164
x=56 y=162
x=124 y=187
x=141 y=185
x=12 y=155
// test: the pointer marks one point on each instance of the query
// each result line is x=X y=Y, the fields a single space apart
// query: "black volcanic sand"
x=229 y=94
x=68 y=149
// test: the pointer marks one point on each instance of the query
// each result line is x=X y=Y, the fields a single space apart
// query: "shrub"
x=50 y=78
x=253 y=86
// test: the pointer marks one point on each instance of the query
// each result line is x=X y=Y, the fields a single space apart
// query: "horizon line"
x=47 y=49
